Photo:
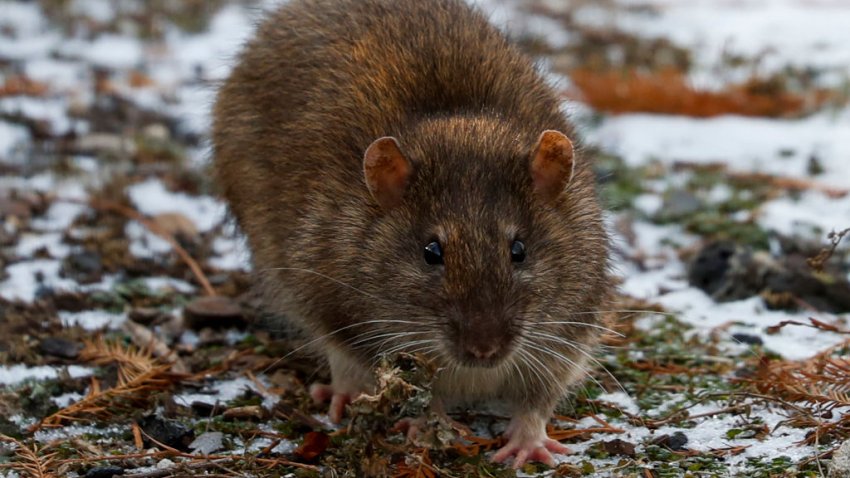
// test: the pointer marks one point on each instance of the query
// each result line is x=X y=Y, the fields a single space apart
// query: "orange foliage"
x=668 y=92
x=15 y=85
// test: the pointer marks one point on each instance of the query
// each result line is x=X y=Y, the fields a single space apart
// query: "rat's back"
x=324 y=78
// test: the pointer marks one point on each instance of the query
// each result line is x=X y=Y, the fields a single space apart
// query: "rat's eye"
x=434 y=253
x=517 y=251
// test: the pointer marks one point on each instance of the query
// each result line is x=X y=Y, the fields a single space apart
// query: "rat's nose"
x=482 y=352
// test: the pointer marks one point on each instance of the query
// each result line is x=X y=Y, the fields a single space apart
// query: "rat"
x=407 y=182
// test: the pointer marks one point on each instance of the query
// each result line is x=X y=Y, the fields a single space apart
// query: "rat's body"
x=462 y=167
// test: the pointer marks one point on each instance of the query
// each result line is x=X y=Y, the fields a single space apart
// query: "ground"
x=132 y=342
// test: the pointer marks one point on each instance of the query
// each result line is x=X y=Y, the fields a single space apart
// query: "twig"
x=820 y=259
x=111 y=206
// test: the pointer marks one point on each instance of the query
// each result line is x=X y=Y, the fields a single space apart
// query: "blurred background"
x=721 y=135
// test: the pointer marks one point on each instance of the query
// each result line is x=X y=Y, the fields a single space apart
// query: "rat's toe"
x=322 y=393
x=530 y=451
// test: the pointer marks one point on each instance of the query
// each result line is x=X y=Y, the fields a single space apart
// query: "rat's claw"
x=530 y=451
x=322 y=393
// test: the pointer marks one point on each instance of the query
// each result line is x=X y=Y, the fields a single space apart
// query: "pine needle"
x=140 y=377
x=27 y=461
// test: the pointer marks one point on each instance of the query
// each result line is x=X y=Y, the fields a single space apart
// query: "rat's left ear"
x=552 y=165
x=387 y=171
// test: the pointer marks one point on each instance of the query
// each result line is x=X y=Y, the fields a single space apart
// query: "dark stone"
x=146 y=315
x=213 y=312
x=747 y=339
x=60 y=347
x=86 y=261
x=85 y=267
x=105 y=472
x=675 y=442
x=620 y=448
x=168 y=432
x=708 y=270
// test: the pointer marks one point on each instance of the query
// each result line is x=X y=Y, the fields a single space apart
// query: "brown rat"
x=406 y=183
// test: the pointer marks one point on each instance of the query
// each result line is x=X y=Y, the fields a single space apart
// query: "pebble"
x=168 y=432
x=840 y=466
x=207 y=443
x=58 y=347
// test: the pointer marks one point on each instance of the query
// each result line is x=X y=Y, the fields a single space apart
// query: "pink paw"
x=411 y=427
x=322 y=393
x=525 y=451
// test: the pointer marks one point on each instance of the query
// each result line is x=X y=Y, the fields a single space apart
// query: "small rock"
x=214 y=312
x=747 y=339
x=680 y=203
x=104 y=472
x=145 y=315
x=675 y=442
x=619 y=447
x=840 y=466
x=60 y=348
x=85 y=266
x=156 y=132
x=168 y=432
x=207 y=443
x=250 y=412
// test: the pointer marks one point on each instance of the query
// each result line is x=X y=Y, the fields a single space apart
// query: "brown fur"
x=318 y=84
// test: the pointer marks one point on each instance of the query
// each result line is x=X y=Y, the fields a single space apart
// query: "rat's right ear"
x=387 y=171
x=552 y=165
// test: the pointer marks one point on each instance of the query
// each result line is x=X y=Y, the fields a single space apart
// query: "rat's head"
x=490 y=237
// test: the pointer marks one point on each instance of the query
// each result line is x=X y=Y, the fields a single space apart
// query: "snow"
x=92 y=319
x=151 y=198
x=745 y=144
x=28 y=244
x=166 y=284
x=13 y=140
x=143 y=243
x=232 y=253
x=15 y=374
x=780 y=32
x=811 y=211
x=26 y=278
x=223 y=391
x=60 y=75
x=53 y=111
x=60 y=215
x=106 y=51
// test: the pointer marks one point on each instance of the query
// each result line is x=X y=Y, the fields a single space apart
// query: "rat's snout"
x=483 y=342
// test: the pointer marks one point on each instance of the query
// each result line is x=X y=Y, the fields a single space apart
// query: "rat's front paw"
x=527 y=441
x=322 y=393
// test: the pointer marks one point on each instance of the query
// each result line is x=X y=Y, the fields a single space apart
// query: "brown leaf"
x=619 y=447
x=314 y=444
x=176 y=224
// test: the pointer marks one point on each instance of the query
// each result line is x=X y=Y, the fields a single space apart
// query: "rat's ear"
x=552 y=165
x=387 y=171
